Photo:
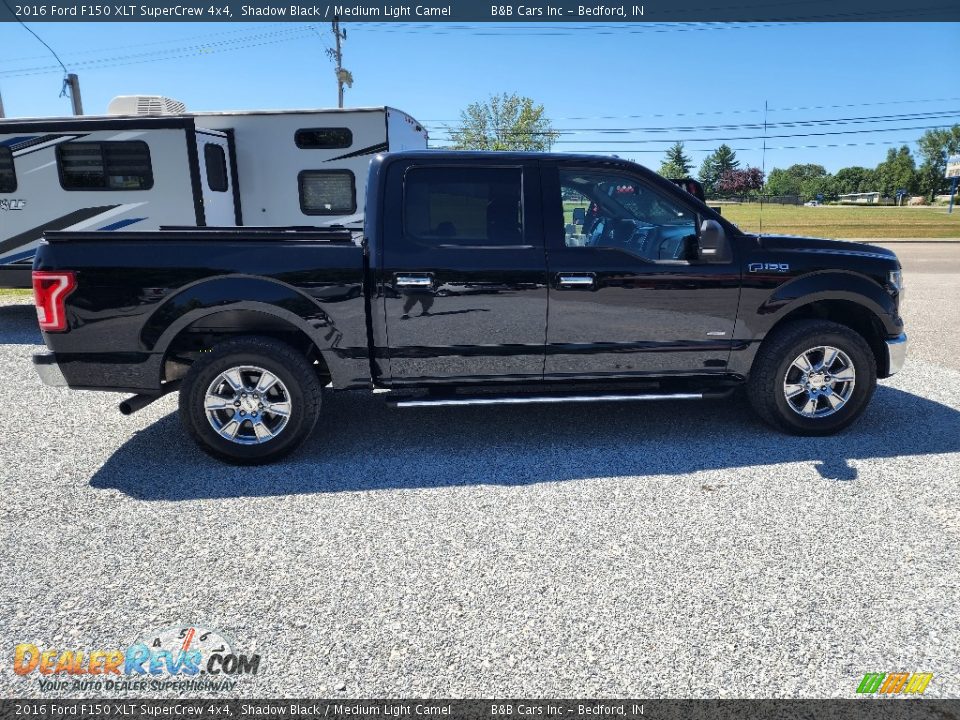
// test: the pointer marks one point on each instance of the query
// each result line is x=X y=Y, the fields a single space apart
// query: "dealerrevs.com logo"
x=175 y=658
x=894 y=683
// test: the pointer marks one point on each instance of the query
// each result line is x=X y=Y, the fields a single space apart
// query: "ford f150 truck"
x=479 y=278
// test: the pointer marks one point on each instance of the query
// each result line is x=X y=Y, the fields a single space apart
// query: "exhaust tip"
x=125 y=408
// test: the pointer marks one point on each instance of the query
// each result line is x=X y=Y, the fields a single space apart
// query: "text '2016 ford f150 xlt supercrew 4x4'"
x=479 y=278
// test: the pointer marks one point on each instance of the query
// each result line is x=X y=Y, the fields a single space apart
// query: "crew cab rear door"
x=463 y=273
x=624 y=300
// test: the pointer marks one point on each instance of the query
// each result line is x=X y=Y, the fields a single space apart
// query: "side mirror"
x=714 y=246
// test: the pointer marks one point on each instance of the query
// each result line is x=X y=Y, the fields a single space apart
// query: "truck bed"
x=142 y=291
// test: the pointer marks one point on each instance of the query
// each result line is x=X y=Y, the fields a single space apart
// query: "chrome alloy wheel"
x=819 y=382
x=247 y=405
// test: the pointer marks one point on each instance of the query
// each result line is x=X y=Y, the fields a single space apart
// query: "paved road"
x=667 y=550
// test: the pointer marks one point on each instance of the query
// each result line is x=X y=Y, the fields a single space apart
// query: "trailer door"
x=216 y=178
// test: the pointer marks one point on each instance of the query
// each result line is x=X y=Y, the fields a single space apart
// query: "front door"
x=625 y=299
x=463 y=276
x=213 y=152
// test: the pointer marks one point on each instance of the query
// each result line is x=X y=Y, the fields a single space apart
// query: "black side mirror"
x=714 y=246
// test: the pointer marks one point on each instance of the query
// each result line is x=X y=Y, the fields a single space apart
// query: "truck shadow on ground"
x=361 y=444
x=18 y=325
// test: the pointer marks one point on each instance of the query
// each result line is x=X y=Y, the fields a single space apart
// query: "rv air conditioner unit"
x=149 y=105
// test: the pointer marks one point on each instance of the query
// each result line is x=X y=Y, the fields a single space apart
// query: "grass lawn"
x=9 y=293
x=846 y=222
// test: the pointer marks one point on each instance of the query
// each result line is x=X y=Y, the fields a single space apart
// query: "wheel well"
x=204 y=334
x=854 y=316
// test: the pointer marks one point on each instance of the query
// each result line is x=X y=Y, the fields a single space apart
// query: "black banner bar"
x=860 y=709
x=472 y=11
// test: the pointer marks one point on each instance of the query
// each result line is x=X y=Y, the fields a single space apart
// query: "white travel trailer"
x=141 y=171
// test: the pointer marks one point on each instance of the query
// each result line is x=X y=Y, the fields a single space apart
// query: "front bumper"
x=48 y=370
x=896 y=353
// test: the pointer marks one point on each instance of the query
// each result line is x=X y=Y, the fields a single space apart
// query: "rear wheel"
x=250 y=401
x=812 y=377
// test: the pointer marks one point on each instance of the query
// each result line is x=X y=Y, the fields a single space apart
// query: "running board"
x=531 y=399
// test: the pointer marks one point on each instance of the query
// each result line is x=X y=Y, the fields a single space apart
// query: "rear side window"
x=323 y=138
x=105 y=166
x=463 y=206
x=327 y=192
x=8 y=175
x=216 y=161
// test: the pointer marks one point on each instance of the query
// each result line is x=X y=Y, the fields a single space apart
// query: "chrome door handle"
x=413 y=281
x=576 y=281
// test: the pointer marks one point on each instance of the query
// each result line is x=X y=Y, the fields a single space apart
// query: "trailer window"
x=8 y=176
x=105 y=166
x=216 y=162
x=463 y=206
x=327 y=192
x=323 y=138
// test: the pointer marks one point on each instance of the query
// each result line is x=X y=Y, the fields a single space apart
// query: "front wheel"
x=250 y=401
x=812 y=377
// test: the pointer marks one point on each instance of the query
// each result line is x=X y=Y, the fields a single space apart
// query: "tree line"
x=511 y=122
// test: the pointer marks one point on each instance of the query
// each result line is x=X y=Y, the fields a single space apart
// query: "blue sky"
x=638 y=78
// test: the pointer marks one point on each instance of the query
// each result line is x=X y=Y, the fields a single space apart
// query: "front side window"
x=8 y=175
x=105 y=166
x=323 y=138
x=602 y=209
x=216 y=161
x=327 y=192
x=463 y=206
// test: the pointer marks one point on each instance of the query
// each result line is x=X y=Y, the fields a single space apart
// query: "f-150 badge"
x=768 y=267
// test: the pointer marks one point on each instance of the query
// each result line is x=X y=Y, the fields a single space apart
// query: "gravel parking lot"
x=674 y=550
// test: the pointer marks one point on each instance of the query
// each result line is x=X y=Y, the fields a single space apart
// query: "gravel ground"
x=675 y=550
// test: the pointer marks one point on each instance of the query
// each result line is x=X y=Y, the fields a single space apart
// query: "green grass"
x=11 y=293
x=846 y=222
x=837 y=221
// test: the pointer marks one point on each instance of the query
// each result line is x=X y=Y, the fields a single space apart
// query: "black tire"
x=297 y=382
x=766 y=389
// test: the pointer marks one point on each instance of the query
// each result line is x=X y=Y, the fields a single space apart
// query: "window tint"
x=324 y=138
x=105 y=166
x=611 y=210
x=463 y=206
x=216 y=162
x=8 y=176
x=327 y=192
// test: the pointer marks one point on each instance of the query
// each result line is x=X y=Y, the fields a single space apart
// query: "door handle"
x=418 y=282
x=575 y=281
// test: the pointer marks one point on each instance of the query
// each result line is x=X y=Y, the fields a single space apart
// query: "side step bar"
x=531 y=399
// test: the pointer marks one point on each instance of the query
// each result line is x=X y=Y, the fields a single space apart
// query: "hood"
x=795 y=243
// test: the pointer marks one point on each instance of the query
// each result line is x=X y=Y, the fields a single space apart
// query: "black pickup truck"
x=479 y=278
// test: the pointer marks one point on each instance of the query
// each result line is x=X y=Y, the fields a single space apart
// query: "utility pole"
x=343 y=76
x=71 y=85
x=2 y=115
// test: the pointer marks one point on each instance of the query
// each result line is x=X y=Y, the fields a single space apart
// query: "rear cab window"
x=463 y=206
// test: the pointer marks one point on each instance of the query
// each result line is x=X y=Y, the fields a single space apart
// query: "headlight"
x=896 y=280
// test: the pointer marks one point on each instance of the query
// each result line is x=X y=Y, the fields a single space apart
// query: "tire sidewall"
x=864 y=383
x=298 y=425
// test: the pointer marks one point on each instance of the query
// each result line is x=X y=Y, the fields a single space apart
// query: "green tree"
x=853 y=179
x=807 y=181
x=675 y=164
x=897 y=172
x=935 y=146
x=721 y=160
x=504 y=122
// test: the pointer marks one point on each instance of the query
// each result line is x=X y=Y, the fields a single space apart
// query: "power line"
x=40 y=39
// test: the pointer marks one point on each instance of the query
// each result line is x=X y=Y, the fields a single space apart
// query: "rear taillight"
x=50 y=290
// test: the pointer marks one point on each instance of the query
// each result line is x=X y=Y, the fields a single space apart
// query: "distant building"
x=866 y=198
